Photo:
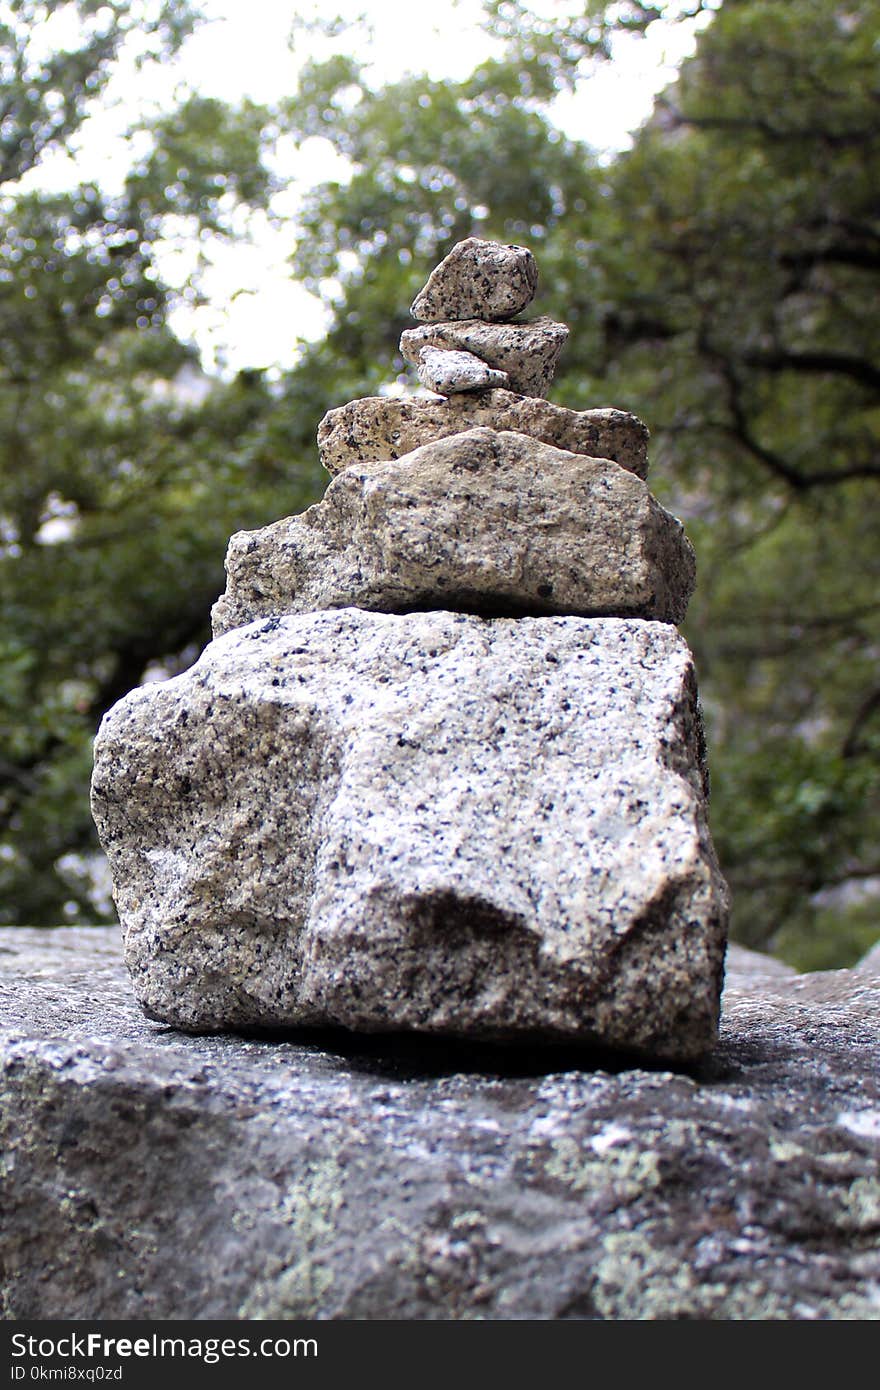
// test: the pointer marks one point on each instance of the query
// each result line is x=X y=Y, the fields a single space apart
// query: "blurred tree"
x=721 y=279
x=428 y=162
x=122 y=472
x=731 y=295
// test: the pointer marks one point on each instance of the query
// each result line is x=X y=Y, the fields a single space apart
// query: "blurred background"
x=213 y=219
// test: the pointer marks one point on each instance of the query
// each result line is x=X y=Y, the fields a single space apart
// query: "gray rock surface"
x=449 y=372
x=527 y=352
x=478 y=279
x=379 y=427
x=150 y=1175
x=488 y=522
x=431 y=822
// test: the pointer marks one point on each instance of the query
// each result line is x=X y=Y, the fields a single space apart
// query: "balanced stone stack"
x=442 y=768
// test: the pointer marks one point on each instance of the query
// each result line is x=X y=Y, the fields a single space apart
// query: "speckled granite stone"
x=483 y=521
x=429 y=822
x=378 y=428
x=478 y=279
x=448 y=372
x=527 y=352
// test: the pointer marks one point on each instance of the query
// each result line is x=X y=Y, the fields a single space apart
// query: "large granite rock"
x=376 y=428
x=487 y=522
x=431 y=822
x=527 y=352
x=150 y=1175
x=478 y=279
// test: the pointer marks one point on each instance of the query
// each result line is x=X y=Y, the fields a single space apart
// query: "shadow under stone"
x=402 y=1056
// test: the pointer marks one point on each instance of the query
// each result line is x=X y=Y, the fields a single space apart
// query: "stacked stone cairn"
x=441 y=770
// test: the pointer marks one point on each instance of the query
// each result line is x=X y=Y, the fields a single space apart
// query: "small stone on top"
x=478 y=279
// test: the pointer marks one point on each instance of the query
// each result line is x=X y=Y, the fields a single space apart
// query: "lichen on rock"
x=152 y=1175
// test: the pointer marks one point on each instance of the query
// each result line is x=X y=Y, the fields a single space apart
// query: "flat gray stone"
x=478 y=279
x=379 y=427
x=151 y=1175
x=431 y=822
x=527 y=352
x=487 y=522
x=449 y=372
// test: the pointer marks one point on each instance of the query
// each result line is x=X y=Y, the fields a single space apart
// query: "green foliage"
x=206 y=161
x=47 y=87
x=429 y=163
x=739 y=274
x=118 y=491
x=552 y=45
x=720 y=279
x=842 y=928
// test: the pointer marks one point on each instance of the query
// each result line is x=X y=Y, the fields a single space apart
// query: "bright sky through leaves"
x=255 y=315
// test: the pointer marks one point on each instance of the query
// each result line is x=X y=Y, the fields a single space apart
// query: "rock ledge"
x=152 y=1175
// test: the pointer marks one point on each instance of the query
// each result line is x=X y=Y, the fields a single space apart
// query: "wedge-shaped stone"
x=378 y=427
x=448 y=372
x=430 y=822
x=527 y=352
x=478 y=279
x=488 y=522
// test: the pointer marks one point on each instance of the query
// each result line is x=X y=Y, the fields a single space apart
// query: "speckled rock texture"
x=431 y=822
x=527 y=352
x=478 y=279
x=450 y=372
x=378 y=428
x=151 y=1175
x=485 y=521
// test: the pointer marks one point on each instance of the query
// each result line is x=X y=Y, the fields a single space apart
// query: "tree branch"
x=738 y=429
x=853 y=745
x=818 y=363
x=839 y=139
x=859 y=257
